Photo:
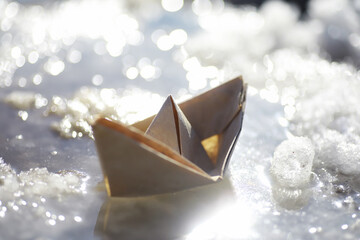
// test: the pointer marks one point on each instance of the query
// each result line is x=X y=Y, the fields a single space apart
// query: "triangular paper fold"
x=171 y=127
x=194 y=152
x=164 y=127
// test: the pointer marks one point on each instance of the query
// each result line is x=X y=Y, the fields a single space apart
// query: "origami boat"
x=181 y=147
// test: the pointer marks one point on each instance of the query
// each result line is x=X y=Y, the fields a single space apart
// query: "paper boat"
x=181 y=147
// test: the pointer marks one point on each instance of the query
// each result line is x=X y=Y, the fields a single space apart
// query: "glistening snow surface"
x=51 y=62
x=292 y=163
x=38 y=182
x=320 y=97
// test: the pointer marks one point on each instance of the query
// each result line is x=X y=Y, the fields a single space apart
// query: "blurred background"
x=63 y=63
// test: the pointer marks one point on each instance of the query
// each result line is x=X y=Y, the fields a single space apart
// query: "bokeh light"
x=172 y=5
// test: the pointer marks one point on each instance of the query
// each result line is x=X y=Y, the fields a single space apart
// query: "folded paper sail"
x=181 y=147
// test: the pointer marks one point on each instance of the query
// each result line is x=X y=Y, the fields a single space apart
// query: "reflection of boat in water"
x=165 y=216
x=136 y=163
